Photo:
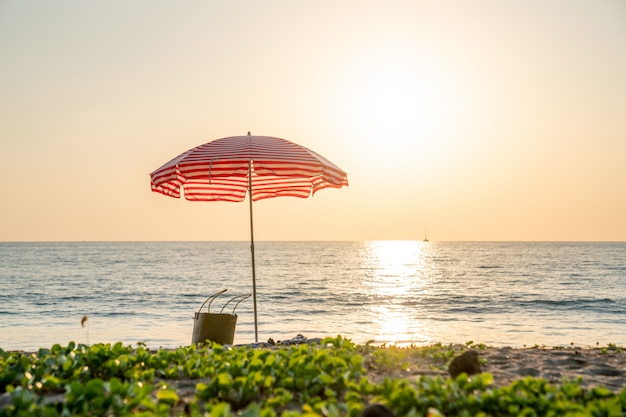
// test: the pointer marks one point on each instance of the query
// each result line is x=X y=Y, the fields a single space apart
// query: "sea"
x=517 y=294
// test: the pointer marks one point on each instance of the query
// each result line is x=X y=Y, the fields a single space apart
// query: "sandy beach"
x=604 y=367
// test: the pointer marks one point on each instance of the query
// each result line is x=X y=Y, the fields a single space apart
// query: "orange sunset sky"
x=468 y=120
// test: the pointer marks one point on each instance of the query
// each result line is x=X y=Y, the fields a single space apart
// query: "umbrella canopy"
x=221 y=170
x=264 y=166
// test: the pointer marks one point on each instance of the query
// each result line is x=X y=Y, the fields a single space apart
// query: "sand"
x=604 y=367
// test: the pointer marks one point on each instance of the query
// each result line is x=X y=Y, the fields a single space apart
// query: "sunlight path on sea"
x=394 y=274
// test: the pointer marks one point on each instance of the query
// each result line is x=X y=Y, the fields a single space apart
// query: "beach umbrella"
x=262 y=166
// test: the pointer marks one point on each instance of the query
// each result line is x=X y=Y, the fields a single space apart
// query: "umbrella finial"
x=248 y=133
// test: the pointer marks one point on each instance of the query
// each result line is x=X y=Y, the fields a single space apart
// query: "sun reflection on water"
x=396 y=280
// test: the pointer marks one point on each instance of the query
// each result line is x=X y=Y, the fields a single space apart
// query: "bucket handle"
x=211 y=298
x=240 y=297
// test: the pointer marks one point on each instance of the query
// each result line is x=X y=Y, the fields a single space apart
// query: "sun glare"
x=395 y=260
x=393 y=324
x=395 y=277
x=391 y=93
x=398 y=103
x=389 y=102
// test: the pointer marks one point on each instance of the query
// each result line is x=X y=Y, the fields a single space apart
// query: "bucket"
x=216 y=327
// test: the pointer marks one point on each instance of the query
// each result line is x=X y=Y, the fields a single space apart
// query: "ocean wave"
x=595 y=304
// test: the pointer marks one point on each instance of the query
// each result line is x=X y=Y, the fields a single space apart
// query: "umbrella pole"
x=256 y=327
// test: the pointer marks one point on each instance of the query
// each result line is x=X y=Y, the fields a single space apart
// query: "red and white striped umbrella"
x=264 y=166
x=218 y=170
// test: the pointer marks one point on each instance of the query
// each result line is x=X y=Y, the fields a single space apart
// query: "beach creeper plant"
x=327 y=379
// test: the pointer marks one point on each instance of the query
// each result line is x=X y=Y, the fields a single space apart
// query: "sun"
x=396 y=99
x=394 y=95
x=386 y=101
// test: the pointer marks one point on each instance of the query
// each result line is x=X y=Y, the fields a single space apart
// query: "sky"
x=480 y=120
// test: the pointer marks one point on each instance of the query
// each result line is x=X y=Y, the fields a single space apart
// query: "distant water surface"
x=501 y=294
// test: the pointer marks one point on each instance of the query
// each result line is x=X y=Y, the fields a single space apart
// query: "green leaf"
x=220 y=410
x=94 y=388
x=167 y=396
x=252 y=410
